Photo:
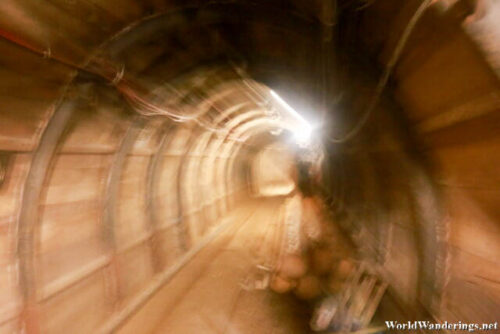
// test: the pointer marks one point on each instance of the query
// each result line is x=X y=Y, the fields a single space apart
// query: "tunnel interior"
x=149 y=151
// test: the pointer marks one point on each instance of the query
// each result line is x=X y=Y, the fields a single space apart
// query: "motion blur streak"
x=152 y=159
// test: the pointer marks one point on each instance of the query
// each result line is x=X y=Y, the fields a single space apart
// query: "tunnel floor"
x=220 y=300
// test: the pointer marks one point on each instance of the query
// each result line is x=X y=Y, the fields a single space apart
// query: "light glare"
x=303 y=130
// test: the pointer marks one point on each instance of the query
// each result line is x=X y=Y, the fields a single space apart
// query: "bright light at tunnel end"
x=303 y=130
x=303 y=134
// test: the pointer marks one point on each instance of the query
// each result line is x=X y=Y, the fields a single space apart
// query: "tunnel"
x=154 y=156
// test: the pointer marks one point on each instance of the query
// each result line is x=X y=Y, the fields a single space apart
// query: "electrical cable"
x=385 y=75
x=130 y=88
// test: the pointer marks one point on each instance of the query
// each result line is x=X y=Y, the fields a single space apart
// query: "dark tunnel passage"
x=248 y=166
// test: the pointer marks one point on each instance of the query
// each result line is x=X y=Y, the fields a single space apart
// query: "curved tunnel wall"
x=110 y=199
x=423 y=177
x=88 y=177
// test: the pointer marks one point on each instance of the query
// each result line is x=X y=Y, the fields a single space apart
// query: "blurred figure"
x=296 y=268
x=315 y=261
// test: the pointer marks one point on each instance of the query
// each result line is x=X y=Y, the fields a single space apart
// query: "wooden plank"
x=135 y=269
x=131 y=219
x=16 y=169
x=468 y=302
x=464 y=112
x=478 y=270
x=453 y=74
x=474 y=215
x=64 y=310
x=472 y=165
x=103 y=121
x=76 y=177
x=10 y=326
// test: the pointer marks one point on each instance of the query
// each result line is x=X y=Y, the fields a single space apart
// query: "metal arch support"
x=28 y=218
x=251 y=128
x=226 y=150
x=230 y=110
x=211 y=150
x=202 y=141
x=153 y=174
x=190 y=180
x=216 y=11
x=223 y=91
x=237 y=148
x=110 y=204
x=183 y=232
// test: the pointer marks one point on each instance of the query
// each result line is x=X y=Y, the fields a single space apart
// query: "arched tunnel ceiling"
x=163 y=45
x=136 y=46
x=200 y=72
